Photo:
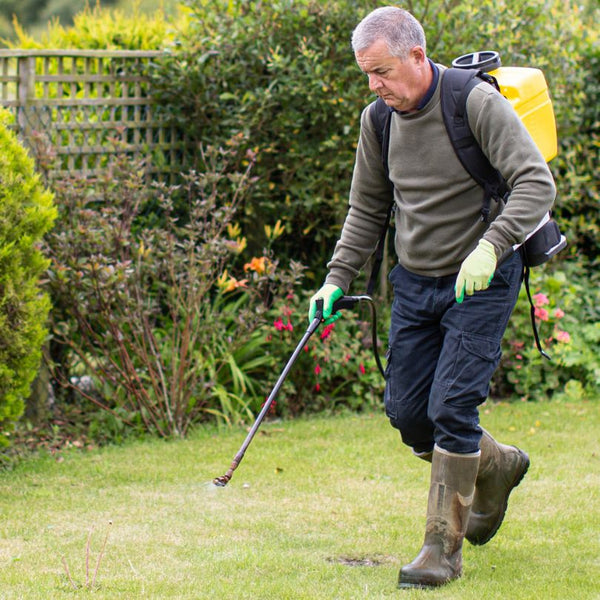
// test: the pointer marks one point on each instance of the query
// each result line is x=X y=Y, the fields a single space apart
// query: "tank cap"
x=485 y=61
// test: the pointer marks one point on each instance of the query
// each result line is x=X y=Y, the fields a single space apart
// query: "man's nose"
x=374 y=82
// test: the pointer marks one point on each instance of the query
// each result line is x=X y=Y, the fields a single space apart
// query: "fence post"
x=25 y=92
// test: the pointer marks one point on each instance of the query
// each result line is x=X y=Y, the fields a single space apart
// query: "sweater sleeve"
x=370 y=199
x=508 y=146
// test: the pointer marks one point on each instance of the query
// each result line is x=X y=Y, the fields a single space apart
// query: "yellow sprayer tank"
x=526 y=89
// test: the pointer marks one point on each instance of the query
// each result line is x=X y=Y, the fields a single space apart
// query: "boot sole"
x=516 y=481
x=425 y=585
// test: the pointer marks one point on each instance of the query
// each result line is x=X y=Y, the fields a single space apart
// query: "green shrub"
x=577 y=166
x=26 y=214
x=97 y=28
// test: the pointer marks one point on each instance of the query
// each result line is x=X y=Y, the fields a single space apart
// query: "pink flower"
x=317 y=387
x=279 y=325
x=563 y=336
x=327 y=331
x=518 y=356
x=317 y=369
x=558 y=313
x=361 y=368
x=541 y=299
x=541 y=314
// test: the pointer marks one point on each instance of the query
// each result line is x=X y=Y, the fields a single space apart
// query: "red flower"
x=278 y=324
x=327 y=331
x=317 y=369
x=271 y=408
x=361 y=368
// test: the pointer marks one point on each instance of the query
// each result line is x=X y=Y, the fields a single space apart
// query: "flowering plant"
x=568 y=330
x=336 y=367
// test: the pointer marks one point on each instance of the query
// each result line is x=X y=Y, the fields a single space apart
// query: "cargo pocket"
x=476 y=360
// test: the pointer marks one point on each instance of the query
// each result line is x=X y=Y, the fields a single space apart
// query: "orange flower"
x=258 y=265
x=229 y=284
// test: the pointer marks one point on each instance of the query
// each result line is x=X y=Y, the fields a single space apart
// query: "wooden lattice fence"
x=86 y=105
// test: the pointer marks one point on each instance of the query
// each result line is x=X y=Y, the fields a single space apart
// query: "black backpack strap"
x=536 y=336
x=455 y=88
x=381 y=118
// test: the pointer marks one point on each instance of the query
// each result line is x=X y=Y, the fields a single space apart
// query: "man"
x=452 y=300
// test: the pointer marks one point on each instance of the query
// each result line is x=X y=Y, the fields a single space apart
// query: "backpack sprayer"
x=342 y=303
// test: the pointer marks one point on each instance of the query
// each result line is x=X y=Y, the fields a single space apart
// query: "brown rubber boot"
x=450 y=498
x=501 y=469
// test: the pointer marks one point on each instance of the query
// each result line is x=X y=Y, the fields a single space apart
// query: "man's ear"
x=417 y=53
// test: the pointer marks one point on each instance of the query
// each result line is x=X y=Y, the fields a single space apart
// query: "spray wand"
x=342 y=303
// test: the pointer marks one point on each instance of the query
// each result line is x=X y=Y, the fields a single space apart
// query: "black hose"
x=349 y=302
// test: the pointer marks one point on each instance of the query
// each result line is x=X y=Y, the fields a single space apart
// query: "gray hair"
x=400 y=30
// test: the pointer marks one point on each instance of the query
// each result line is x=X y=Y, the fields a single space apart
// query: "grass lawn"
x=319 y=508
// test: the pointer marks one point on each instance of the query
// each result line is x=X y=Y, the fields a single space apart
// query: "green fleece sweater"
x=438 y=220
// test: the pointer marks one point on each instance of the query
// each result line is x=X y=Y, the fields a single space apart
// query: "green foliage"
x=151 y=313
x=577 y=166
x=26 y=214
x=98 y=28
x=36 y=16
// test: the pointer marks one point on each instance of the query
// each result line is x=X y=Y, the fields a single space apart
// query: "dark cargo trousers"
x=442 y=355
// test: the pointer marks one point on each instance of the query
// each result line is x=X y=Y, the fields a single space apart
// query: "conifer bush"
x=26 y=214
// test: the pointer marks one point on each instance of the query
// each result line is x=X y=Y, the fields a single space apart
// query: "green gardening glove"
x=477 y=271
x=329 y=293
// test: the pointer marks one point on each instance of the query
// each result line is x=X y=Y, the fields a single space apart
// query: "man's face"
x=401 y=83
